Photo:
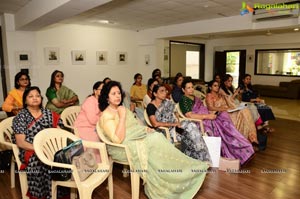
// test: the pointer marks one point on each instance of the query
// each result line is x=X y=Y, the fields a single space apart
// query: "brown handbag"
x=86 y=164
x=229 y=164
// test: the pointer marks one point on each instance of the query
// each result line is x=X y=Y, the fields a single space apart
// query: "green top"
x=186 y=104
x=63 y=93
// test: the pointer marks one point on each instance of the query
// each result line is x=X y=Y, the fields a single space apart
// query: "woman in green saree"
x=167 y=173
x=60 y=96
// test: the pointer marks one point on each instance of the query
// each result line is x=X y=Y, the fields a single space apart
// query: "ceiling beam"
x=40 y=13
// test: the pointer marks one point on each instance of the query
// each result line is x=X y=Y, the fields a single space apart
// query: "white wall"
x=13 y=42
x=137 y=44
x=291 y=40
x=90 y=39
x=223 y=25
x=81 y=78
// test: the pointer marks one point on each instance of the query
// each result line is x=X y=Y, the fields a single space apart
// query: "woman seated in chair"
x=233 y=145
x=30 y=121
x=177 y=92
x=151 y=154
x=161 y=114
x=59 y=96
x=147 y=98
x=228 y=90
x=242 y=119
x=88 y=117
x=13 y=102
x=138 y=90
x=249 y=95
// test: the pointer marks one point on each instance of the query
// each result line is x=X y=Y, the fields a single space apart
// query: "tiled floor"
x=284 y=108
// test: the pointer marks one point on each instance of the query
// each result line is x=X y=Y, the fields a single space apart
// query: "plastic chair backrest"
x=6 y=132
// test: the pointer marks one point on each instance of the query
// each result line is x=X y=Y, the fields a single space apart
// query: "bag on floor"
x=65 y=156
x=262 y=140
x=214 y=148
x=228 y=165
x=5 y=159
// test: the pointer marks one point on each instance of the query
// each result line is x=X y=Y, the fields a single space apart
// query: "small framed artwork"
x=147 y=59
x=23 y=58
x=101 y=57
x=52 y=56
x=122 y=57
x=78 y=57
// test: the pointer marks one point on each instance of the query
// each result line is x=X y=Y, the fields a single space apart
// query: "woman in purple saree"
x=234 y=145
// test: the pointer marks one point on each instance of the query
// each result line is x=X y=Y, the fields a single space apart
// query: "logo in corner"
x=245 y=9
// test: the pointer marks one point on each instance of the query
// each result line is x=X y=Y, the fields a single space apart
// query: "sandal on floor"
x=268 y=130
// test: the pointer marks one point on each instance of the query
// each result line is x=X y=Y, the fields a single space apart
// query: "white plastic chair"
x=48 y=141
x=168 y=136
x=135 y=178
x=6 y=132
x=183 y=117
x=69 y=116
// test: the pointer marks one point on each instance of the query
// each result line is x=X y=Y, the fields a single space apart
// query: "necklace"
x=114 y=110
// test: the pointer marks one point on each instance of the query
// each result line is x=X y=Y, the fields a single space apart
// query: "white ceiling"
x=145 y=14
x=12 y=6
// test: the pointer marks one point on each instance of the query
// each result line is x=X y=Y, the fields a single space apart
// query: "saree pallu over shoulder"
x=17 y=95
x=63 y=93
x=192 y=143
x=234 y=145
x=153 y=158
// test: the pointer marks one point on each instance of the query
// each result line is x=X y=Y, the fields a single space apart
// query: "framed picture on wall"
x=122 y=57
x=101 y=57
x=78 y=57
x=147 y=59
x=52 y=56
x=23 y=58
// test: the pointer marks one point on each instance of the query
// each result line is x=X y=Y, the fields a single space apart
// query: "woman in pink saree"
x=242 y=119
x=234 y=145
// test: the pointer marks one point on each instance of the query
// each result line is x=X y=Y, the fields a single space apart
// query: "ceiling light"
x=296 y=29
x=103 y=21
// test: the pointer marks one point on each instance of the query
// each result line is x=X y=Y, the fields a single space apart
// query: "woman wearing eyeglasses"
x=13 y=102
